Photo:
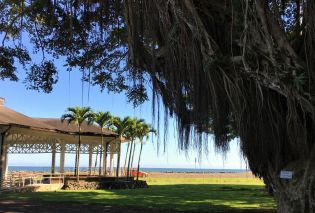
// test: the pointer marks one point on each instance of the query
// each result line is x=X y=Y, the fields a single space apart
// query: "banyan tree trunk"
x=236 y=68
x=281 y=141
x=296 y=195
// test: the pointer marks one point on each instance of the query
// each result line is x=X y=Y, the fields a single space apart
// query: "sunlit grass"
x=180 y=194
x=169 y=181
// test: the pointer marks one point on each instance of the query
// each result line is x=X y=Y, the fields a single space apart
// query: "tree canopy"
x=87 y=35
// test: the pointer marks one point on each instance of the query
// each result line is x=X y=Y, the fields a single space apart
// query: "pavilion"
x=22 y=134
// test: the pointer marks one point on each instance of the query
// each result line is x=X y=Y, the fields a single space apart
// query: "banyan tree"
x=230 y=68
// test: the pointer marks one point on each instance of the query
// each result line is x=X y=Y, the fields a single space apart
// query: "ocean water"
x=184 y=170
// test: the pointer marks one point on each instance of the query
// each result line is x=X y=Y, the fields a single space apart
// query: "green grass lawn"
x=188 y=194
x=200 y=180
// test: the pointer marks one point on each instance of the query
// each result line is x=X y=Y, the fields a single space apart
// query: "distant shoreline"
x=149 y=170
x=165 y=175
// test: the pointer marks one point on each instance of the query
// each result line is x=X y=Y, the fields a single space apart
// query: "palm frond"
x=77 y=115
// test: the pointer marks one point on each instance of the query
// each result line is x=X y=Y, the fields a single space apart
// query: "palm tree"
x=129 y=134
x=132 y=134
x=77 y=115
x=120 y=127
x=103 y=119
x=143 y=131
x=127 y=151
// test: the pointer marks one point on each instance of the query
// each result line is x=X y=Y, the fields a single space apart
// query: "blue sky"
x=35 y=104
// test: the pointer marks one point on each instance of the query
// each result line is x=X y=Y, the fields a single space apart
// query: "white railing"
x=13 y=183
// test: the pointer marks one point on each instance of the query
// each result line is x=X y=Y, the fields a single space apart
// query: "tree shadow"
x=180 y=197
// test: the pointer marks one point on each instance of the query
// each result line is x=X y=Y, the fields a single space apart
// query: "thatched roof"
x=13 y=118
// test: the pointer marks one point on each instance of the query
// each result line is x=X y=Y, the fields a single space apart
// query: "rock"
x=103 y=183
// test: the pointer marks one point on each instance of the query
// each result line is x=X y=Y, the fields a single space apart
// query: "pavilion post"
x=90 y=158
x=6 y=153
x=3 y=154
x=1 y=157
x=53 y=158
x=4 y=160
x=105 y=159
x=62 y=158
x=111 y=164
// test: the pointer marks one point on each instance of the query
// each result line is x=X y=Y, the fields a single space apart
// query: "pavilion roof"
x=13 y=118
x=72 y=128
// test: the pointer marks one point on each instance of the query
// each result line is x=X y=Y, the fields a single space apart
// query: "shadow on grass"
x=180 y=197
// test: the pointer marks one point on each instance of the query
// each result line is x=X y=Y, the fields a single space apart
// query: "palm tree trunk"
x=128 y=168
x=126 y=157
x=133 y=154
x=105 y=159
x=102 y=146
x=118 y=160
x=78 y=154
x=138 y=168
x=95 y=164
x=75 y=162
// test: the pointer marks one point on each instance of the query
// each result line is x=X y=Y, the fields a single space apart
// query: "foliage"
x=42 y=77
x=103 y=119
x=8 y=57
x=78 y=115
x=131 y=134
x=132 y=130
x=88 y=35
x=121 y=126
x=144 y=130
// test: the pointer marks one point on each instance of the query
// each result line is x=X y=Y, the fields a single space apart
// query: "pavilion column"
x=111 y=164
x=53 y=158
x=3 y=155
x=3 y=159
x=4 y=162
x=62 y=158
x=105 y=159
x=91 y=147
